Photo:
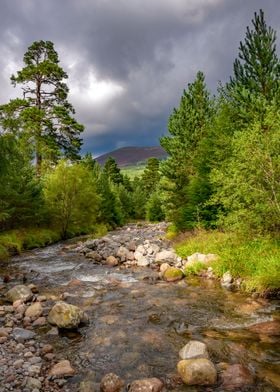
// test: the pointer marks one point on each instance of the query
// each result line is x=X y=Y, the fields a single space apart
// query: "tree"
x=187 y=164
x=43 y=118
x=151 y=176
x=21 y=201
x=256 y=73
x=71 y=197
x=112 y=171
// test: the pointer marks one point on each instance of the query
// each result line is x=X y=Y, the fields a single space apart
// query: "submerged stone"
x=64 y=315
x=199 y=371
x=172 y=274
x=194 y=349
x=19 y=292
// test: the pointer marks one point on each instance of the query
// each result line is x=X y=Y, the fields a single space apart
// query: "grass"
x=255 y=260
x=133 y=171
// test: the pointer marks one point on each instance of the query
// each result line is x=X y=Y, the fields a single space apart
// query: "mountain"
x=132 y=156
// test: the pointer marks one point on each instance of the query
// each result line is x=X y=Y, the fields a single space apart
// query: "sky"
x=128 y=61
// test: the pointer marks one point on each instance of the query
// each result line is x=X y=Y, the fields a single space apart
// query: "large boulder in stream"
x=198 y=371
x=68 y=316
x=236 y=376
x=19 y=292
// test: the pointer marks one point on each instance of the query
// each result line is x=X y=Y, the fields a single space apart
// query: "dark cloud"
x=128 y=61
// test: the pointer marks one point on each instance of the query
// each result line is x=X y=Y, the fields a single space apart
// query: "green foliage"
x=21 y=202
x=43 y=119
x=154 y=210
x=112 y=171
x=151 y=176
x=71 y=198
x=256 y=260
x=186 y=170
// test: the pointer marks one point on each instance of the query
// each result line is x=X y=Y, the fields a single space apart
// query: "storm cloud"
x=128 y=61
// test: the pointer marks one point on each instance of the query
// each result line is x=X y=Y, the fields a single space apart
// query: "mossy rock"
x=173 y=274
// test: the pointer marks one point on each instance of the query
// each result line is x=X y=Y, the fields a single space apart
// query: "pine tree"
x=186 y=166
x=256 y=77
x=113 y=172
x=43 y=118
x=151 y=176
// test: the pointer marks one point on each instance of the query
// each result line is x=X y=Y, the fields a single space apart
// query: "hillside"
x=132 y=156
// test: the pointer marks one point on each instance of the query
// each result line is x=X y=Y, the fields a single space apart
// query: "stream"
x=139 y=323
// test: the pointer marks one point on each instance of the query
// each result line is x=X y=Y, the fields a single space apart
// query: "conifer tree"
x=113 y=172
x=43 y=118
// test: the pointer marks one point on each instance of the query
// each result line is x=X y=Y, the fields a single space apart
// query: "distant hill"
x=132 y=156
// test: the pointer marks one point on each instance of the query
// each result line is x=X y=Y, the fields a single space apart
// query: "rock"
x=62 y=369
x=200 y=258
x=111 y=261
x=34 y=311
x=194 y=349
x=227 y=278
x=33 y=288
x=33 y=383
x=131 y=246
x=140 y=250
x=123 y=253
x=4 y=332
x=40 y=322
x=173 y=274
x=198 y=371
x=47 y=348
x=146 y=385
x=17 y=303
x=236 y=376
x=87 y=386
x=19 y=292
x=20 y=334
x=64 y=315
x=163 y=268
x=166 y=256
x=267 y=328
x=142 y=261
x=111 y=383
x=94 y=256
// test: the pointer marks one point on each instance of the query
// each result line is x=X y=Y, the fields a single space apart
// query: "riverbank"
x=253 y=260
x=13 y=242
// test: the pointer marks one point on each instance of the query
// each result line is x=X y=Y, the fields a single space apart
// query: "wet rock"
x=33 y=383
x=40 y=322
x=64 y=315
x=267 y=328
x=146 y=385
x=199 y=371
x=111 y=261
x=227 y=278
x=34 y=311
x=194 y=349
x=62 y=369
x=4 y=332
x=111 y=383
x=33 y=288
x=236 y=376
x=131 y=246
x=173 y=274
x=47 y=348
x=163 y=268
x=166 y=256
x=21 y=335
x=87 y=386
x=19 y=292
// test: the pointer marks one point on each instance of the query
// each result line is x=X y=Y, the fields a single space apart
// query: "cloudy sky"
x=128 y=60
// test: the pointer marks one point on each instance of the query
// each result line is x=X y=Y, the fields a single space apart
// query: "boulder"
x=64 y=315
x=198 y=371
x=123 y=253
x=236 y=376
x=173 y=274
x=163 y=268
x=111 y=383
x=111 y=261
x=194 y=349
x=19 y=292
x=146 y=385
x=166 y=256
x=34 y=311
x=62 y=369
x=142 y=261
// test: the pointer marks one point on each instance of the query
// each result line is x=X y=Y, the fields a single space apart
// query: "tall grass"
x=256 y=260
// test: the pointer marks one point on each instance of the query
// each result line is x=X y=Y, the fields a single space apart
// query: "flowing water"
x=138 y=324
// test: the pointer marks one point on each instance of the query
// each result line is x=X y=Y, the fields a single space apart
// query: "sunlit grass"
x=256 y=260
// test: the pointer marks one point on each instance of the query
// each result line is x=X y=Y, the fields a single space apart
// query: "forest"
x=219 y=187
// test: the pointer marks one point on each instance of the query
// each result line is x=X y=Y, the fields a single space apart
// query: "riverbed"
x=138 y=323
